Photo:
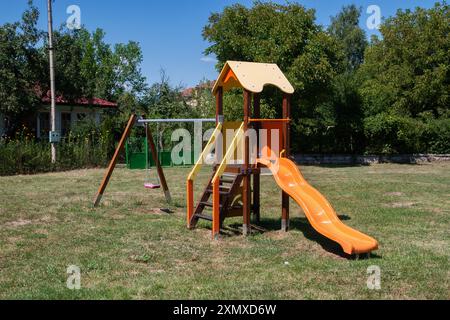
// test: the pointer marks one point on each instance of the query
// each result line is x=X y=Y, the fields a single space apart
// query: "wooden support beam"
x=114 y=159
x=219 y=118
x=257 y=174
x=159 y=169
x=286 y=147
x=216 y=210
x=246 y=199
x=219 y=105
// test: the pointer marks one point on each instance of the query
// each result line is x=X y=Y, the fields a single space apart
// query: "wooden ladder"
x=230 y=187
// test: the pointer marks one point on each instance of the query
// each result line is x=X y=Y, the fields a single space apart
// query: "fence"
x=137 y=155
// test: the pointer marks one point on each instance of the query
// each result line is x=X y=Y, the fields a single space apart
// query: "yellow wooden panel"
x=252 y=76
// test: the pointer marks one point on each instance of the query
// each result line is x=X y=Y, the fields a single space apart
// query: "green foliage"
x=389 y=96
x=350 y=97
x=406 y=76
x=87 y=66
x=408 y=71
x=86 y=146
x=344 y=27
x=288 y=36
x=21 y=65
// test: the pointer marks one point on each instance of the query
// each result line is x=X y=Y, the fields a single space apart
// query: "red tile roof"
x=96 y=102
x=190 y=91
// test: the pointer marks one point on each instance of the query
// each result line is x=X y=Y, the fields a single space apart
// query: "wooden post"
x=219 y=118
x=286 y=147
x=219 y=105
x=257 y=174
x=114 y=159
x=190 y=202
x=216 y=210
x=246 y=198
x=159 y=169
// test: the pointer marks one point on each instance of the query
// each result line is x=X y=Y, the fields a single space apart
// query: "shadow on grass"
x=302 y=224
x=334 y=166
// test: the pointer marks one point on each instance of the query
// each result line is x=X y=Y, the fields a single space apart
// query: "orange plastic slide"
x=317 y=209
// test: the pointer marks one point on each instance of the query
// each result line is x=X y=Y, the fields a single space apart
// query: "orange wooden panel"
x=269 y=126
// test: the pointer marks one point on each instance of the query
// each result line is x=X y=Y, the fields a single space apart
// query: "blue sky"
x=169 y=31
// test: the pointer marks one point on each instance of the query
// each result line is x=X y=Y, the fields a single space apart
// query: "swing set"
x=154 y=151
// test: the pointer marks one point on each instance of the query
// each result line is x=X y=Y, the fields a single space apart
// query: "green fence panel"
x=165 y=157
x=136 y=155
x=136 y=161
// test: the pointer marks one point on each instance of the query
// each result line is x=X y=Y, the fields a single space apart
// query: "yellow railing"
x=216 y=180
x=198 y=165
x=230 y=153
x=193 y=174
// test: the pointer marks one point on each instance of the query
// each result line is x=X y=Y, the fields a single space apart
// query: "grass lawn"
x=128 y=249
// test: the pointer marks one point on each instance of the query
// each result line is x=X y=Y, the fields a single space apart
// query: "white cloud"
x=209 y=59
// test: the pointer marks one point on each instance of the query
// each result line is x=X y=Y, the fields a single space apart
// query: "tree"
x=348 y=127
x=164 y=101
x=406 y=80
x=345 y=28
x=408 y=71
x=288 y=36
x=21 y=66
x=87 y=66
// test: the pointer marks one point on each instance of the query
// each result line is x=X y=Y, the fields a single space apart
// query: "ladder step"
x=232 y=175
x=208 y=204
x=226 y=180
x=204 y=217
x=210 y=190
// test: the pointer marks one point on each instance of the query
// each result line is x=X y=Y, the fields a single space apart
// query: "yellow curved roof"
x=252 y=76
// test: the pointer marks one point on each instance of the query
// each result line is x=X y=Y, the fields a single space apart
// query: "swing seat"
x=148 y=185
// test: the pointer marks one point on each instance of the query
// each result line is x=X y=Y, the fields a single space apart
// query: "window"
x=65 y=123
x=44 y=123
x=81 y=116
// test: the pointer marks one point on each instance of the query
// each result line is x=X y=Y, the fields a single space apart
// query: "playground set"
x=233 y=189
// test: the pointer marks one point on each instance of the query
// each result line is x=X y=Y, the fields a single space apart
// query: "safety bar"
x=174 y=120
x=269 y=120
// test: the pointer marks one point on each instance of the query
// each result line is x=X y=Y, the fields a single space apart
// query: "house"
x=67 y=114
x=193 y=97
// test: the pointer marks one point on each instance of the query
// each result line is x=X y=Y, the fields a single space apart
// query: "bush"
x=86 y=146
x=390 y=134
x=437 y=136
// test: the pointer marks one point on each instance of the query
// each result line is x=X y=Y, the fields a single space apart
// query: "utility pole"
x=53 y=136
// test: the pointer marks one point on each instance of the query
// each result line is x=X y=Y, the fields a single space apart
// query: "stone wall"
x=369 y=159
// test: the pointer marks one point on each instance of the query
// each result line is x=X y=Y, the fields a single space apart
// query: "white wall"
x=95 y=113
